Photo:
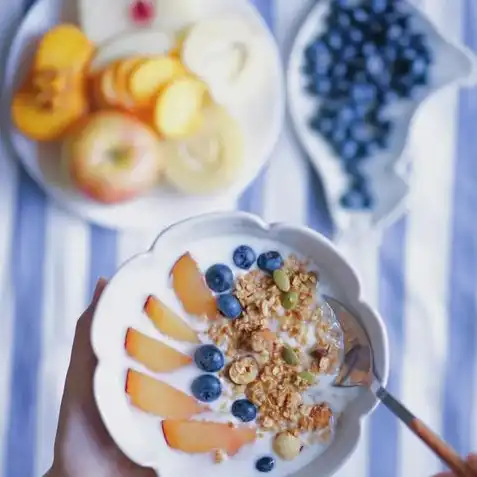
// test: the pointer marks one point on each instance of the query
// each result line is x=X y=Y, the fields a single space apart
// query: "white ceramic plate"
x=262 y=123
x=211 y=239
x=388 y=172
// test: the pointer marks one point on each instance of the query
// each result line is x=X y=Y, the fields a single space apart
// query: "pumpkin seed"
x=289 y=356
x=307 y=376
x=281 y=279
x=290 y=300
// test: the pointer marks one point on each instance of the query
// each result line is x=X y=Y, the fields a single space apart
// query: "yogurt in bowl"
x=213 y=358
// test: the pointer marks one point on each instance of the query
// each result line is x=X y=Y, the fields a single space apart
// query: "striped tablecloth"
x=421 y=274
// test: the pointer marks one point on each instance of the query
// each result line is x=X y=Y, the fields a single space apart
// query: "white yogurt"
x=208 y=252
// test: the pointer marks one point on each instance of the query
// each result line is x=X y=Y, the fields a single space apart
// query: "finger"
x=444 y=474
x=472 y=460
x=100 y=286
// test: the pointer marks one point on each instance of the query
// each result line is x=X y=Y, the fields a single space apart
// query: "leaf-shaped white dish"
x=211 y=239
x=388 y=171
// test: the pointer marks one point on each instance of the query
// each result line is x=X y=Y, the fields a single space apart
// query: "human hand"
x=471 y=460
x=83 y=446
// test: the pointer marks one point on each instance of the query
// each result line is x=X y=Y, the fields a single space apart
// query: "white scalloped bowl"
x=388 y=172
x=139 y=435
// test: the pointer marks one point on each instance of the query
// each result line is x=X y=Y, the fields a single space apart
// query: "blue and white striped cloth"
x=421 y=274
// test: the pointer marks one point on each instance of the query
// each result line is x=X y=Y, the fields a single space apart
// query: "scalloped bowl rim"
x=361 y=407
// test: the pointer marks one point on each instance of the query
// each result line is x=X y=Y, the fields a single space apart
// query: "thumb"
x=100 y=286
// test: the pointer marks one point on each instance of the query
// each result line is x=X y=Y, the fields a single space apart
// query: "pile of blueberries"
x=209 y=358
x=368 y=57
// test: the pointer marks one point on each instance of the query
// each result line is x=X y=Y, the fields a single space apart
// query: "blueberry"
x=229 y=306
x=206 y=388
x=318 y=53
x=334 y=39
x=355 y=36
x=419 y=67
x=321 y=86
x=322 y=125
x=363 y=92
x=349 y=150
x=379 y=6
x=244 y=257
x=219 y=278
x=338 y=71
x=209 y=358
x=270 y=261
x=244 y=410
x=343 y=20
x=349 y=52
x=356 y=200
x=394 y=32
x=375 y=65
x=265 y=464
x=368 y=48
x=361 y=132
x=346 y=114
x=361 y=15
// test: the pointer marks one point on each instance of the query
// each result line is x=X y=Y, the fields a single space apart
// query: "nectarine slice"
x=151 y=75
x=64 y=47
x=159 y=398
x=191 y=289
x=177 y=107
x=196 y=437
x=167 y=322
x=107 y=87
x=153 y=354
x=43 y=124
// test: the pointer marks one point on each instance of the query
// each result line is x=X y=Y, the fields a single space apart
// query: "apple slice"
x=159 y=398
x=151 y=75
x=191 y=289
x=178 y=106
x=196 y=437
x=167 y=322
x=153 y=354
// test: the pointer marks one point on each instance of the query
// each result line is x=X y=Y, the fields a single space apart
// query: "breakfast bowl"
x=223 y=294
x=388 y=60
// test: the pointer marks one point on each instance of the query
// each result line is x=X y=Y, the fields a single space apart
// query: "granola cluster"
x=276 y=352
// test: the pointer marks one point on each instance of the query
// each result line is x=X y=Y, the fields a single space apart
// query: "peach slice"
x=151 y=75
x=167 y=322
x=159 y=398
x=107 y=88
x=64 y=47
x=191 y=289
x=123 y=71
x=153 y=354
x=196 y=437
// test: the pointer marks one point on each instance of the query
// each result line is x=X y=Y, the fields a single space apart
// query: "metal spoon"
x=358 y=369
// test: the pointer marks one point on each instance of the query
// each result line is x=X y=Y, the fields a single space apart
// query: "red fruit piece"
x=142 y=11
x=195 y=437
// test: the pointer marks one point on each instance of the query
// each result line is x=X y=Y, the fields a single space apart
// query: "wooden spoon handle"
x=446 y=453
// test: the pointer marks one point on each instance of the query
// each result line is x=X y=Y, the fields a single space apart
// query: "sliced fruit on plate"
x=191 y=289
x=159 y=398
x=229 y=54
x=151 y=75
x=180 y=38
x=177 y=109
x=53 y=96
x=106 y=92
x=113 y=157
x=123 y=72
x=196 y=437
x=210 y=159
x=144 y=43
x=64 y=47
x=167 y=322
x=153 y=354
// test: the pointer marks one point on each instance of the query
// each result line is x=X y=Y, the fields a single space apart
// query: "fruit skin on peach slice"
x=150 y=76
x=168 y=323
x=194 y=437
x=153 y=354
x=159 y=398
x=178 y=106
x=191 y=289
